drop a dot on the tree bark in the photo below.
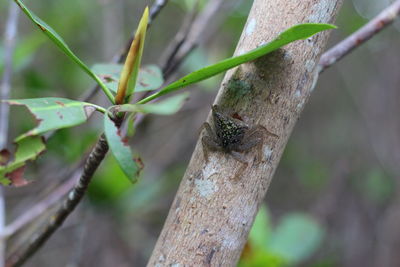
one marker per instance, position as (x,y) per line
(210,218)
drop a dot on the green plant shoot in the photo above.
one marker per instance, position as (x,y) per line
(130,70)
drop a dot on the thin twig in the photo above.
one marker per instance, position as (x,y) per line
(179,39)
(192,36)
(195,36)
(78,191)
(42,206)
(36,210)
(155,9)
(9,46)
(74,197)
(382,20)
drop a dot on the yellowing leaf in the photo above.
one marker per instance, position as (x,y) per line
(28,149)
(130,70)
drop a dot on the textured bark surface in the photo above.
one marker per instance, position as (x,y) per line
(212,213)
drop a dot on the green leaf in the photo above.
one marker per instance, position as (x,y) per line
(11,173)
(120,149)
(297,32)
(296,238)
(54,113)
(261,230)
(149,77)
(262,258)
(165,107)
(108,71)
(105,190)
(60,43)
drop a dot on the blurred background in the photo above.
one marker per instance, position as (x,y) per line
(334,200)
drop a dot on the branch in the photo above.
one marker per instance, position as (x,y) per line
(195,34)
(77,192)
(179,39)
(213,210)
(155,9)
(9,46)
(44,205)
(384,19)
(74,197)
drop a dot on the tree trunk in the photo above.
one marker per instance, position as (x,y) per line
(213,211)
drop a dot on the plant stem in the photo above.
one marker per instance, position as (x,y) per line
(74,197)
(381,21)
(99,108)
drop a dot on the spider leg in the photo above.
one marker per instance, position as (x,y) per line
(255,137)
(209,130)
(259,129)
(265,133)
(254,141)
(239,157)
(209,144)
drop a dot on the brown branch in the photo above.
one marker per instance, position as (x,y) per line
(156,8)
(179,39)
(77,192)
(36,210)
(196,33)
(384,19)
(44,205)
(74,197)
(213,210)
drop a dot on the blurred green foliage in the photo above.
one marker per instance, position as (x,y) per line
(107,186)
(295,238)
(377,186)
(68,145)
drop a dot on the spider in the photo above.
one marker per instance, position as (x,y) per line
(232,135)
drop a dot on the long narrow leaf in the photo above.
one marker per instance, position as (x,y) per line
(60,43)
(168,106)
(297,32)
